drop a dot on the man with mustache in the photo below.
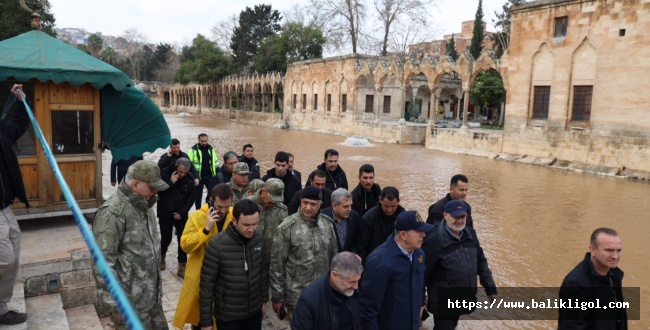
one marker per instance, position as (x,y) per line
(332,302)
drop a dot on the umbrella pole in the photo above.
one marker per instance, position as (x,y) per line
(123,303)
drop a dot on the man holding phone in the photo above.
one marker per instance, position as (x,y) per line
(203,224)
(173,206)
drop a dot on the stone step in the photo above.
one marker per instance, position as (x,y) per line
(46,313)
(83,318)
(17,303)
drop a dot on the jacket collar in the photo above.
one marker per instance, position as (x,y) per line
(615,273)
(445,238)
(135,199)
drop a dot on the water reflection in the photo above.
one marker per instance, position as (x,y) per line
(534,222)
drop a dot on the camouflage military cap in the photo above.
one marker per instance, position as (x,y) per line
(256,185)
(148,172)
(275,190)
(241,168)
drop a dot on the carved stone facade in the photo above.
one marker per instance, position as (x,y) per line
(576,72)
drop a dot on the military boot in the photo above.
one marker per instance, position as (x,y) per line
(163,264)
(181,269)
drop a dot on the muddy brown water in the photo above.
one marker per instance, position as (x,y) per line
(534,222)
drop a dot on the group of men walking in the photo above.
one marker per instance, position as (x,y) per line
(354,260)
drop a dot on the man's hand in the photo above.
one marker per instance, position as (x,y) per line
(264,310)
(213,217)
(492,298)
(177,216)
(277,306)
(422,310)
(174,177)
(19,94)
(196,182)
(113,183)
(169,151)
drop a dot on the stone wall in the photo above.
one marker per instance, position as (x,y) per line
(602,48)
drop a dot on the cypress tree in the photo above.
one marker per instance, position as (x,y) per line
(450,49)
(477,34)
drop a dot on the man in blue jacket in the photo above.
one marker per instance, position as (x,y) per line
(331,302)
(392,288)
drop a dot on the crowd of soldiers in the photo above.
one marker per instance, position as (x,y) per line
(324,256)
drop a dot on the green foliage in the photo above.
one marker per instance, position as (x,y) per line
(488,90)
(95,44)
(503,20)
(477,34)
(255,25)
(203,62)
(83,48)
(15,20)
(450,49)
(159,61)
(109,56)
(295,42)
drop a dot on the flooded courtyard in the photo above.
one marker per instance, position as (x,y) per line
(534,222)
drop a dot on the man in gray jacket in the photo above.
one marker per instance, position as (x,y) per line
(234,285)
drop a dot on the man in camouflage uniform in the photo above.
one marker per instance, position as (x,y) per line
(126,231)
(269,201)
(239,182)
(302,250)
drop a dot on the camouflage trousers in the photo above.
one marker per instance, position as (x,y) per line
(152,320)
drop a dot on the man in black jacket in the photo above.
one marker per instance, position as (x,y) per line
(316,179)
(253,164)
(173,207)
(331,302)
(336,177)
(169,158)
(596,278)
(120,167)
(281,171)
(366,195)
(379,222)
(234,284)
(345,220)
(457,191)
(454,258)
(11,181)
(224,173)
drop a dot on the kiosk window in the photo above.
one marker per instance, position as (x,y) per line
(72,132)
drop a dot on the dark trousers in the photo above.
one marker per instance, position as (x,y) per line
(445,322)
(167,226)
(204,182)
(252,323)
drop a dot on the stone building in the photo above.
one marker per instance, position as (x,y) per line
(575,74)
(462,40)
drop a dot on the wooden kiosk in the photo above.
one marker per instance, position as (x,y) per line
(68,91)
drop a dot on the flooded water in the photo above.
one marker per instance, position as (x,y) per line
(534,222)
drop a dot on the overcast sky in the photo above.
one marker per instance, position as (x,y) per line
(178,22)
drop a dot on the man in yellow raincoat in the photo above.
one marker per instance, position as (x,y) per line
(211,219)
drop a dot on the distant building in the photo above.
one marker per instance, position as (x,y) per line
(462,40)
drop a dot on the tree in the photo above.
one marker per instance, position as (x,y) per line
(406,39)
(503,20)
(163,64)
(15,20)
(450,49)
(488,90)
(109,56)
(342,21)
(202,62)
(476,46)
(132,42)
(254,26)
(223,31)
(295,42)
(95,44)
(390,12)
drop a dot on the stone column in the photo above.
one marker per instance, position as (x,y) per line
(465,107)
(273,96)
(433,109)
(199,99)
(376,101)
